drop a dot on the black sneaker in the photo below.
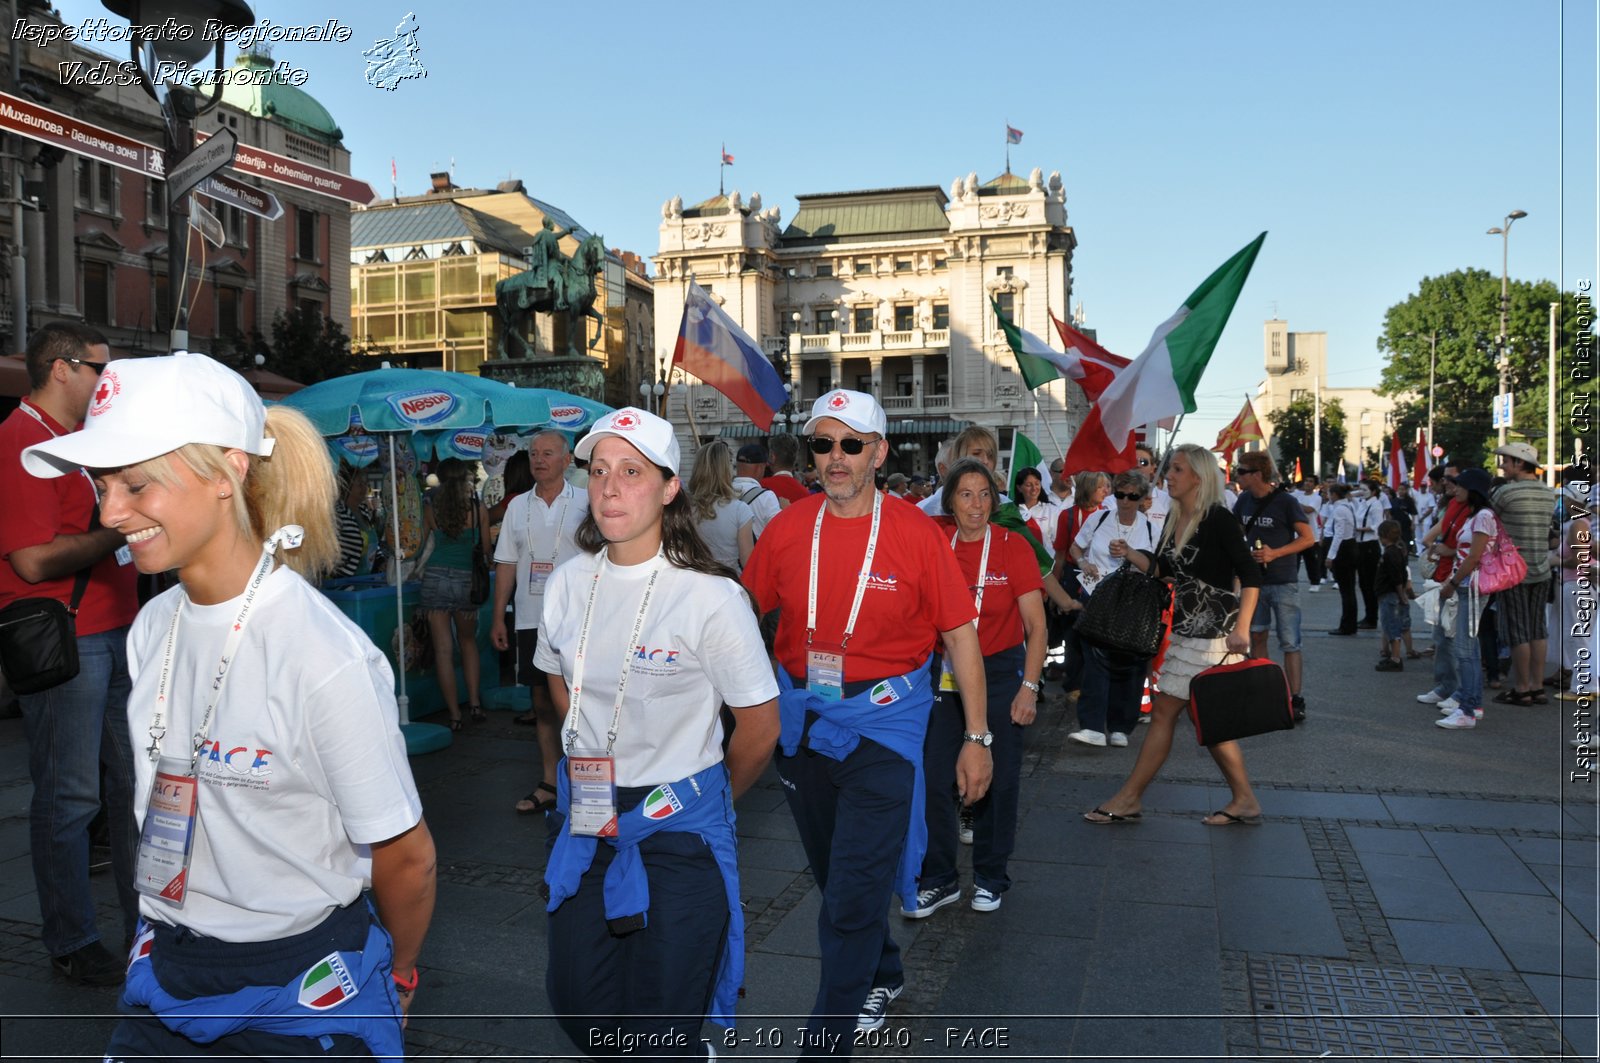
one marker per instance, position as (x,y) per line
(92,965)
(1389,664)
(1299,704)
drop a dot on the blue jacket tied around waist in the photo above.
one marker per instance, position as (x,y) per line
(707,810)
(369,1010)
(894,714)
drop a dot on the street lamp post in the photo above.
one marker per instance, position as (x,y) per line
(651,392)
(1503,362)
(173,36)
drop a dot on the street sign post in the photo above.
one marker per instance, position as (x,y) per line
(297,174)
(1502,411)
(248,198)
(207,224)
(81,138)
(202,162)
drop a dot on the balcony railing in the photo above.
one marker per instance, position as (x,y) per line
(829,342)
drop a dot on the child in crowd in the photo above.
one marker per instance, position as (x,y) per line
(1394,598)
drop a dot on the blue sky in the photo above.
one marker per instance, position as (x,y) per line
(1376,142)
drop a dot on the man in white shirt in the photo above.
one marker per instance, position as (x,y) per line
(537,534)
(749,465)
(1311,501)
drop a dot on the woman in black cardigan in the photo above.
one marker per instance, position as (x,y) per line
(1202,553)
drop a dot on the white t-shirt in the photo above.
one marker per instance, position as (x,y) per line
(534,532)
(1312,501)
(1160,506)
(304,765)
(1483,522)
(1094,539)
(721,532)
(765,504)
(700,647)
(1046,516)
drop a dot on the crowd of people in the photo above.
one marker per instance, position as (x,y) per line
(882,641)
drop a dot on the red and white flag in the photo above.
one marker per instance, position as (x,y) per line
(1397,462)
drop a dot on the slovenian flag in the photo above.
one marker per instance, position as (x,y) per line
(1013,135)
(714,348)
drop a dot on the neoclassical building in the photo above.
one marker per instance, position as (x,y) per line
(886,291)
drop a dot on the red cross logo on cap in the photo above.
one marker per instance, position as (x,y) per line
(838,402)
(109,389)
(625,421)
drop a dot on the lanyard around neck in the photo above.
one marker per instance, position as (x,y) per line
(983,571)
(580,657)
(290,536)
(561,521)
(861,578)
(28,409)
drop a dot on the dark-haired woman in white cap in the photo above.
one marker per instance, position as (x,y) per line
(645,636)
(286,873)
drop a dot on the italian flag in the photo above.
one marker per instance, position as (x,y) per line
(1025,455)
(1161,382)
(1091,365)
(1039,364)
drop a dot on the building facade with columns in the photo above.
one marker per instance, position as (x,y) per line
(1297,367)
(886,291)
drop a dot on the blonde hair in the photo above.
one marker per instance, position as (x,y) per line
(296,485)
(1183,520)
(711,483)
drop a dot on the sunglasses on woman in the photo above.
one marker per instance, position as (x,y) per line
(1127,496)
(849,444)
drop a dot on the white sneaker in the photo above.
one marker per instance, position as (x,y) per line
(1457,721)
(1449,705)
(984,900)
(1432,697)
(1315,587)
(1088,737)
(1117,738)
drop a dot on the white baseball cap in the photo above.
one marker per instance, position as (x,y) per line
(856,409)
(146,407)
(652,436)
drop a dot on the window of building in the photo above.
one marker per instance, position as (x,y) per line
(97,186)
(155,208)
(863,265)
(902,384)
(1366,416)
(861,320)
(238,226)
(108,186)
(905,318)
(1006,301)
(863,383)
(941,315)
(1002,271)
(823,384)
(824,269)
(941,262)
(85,182)
(96,293)
(310,306)
(306,234)
(941,382)
(827,321)
(228,300)
(1296,394)
(902,265)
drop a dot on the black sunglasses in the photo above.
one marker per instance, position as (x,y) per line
(1127,497)
(849,444)
(1242,471)
(98,367)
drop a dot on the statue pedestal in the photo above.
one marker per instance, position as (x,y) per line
(581,376)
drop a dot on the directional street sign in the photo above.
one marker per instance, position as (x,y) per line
(207,223)
(293,172)
(202,162)
(64,131)
(248,198)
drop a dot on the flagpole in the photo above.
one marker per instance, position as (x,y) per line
(1053,440)
(1316,425)
(1008,146)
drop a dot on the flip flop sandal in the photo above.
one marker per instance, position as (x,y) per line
(1230,820)
(1111,817)
(537,804)
(1508,697)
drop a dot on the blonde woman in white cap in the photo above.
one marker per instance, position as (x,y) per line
(645,636)
(287,877)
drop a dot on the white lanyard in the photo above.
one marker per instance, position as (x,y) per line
(983,571)
(861,580)
(31,412)
(561,522)
(290,536)
(581,655)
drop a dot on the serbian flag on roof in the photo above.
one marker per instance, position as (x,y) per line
(714,348)
(1161,382)
(1013,135)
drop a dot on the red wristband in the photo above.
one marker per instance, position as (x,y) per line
(408,986)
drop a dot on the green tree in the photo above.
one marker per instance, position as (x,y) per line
(1462,309)
(306,346)
(1293,434)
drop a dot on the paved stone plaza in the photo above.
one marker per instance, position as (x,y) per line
(1413,893)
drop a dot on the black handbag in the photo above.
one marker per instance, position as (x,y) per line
(39,640)
(1232,701)
(1124,613)
(479,593)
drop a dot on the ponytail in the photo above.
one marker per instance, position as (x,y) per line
(295,485)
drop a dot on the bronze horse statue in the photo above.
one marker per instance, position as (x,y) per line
(566,286)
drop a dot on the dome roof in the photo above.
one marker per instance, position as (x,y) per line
(284,103)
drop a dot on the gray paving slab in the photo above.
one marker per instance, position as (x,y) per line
(1259,913)
(1447,944)
(1535,934)
(1269,849)
(772,854)
(1159,873)
(1051,834)
(1482,862)
(1055,900)
(1415,887)
(1399,841)
(1168,951)
(1315,804)
(796,932)
(1475,812)
(1573,997)
(1575,888)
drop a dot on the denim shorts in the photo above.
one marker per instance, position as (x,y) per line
(1394,616)
(447,590)
(1279,603)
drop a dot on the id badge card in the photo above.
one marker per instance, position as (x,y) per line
(161,868)
(825,673)
(539,575)
(947,678)
(592,785)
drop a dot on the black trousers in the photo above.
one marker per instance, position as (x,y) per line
(1315,561)
(1368,559)
(1344,572)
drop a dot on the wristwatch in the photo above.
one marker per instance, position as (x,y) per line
(985,740)
(1033,685)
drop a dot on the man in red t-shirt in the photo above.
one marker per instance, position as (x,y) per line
(783,454)
(1440,542)
(853,725)
(49,534)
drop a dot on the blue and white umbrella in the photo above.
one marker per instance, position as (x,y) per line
(415,400)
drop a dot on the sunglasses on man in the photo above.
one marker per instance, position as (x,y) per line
(98,367)
(821,445)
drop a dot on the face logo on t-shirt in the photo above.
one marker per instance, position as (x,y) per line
(995,579)
(882,581)
(657,661)
(224,764)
